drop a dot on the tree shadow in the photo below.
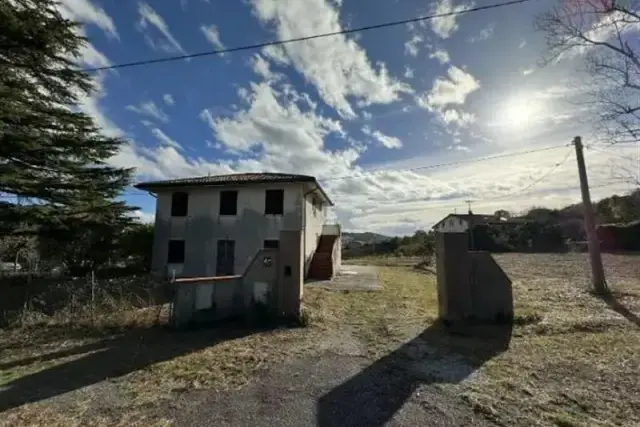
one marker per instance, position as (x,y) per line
(438,355)
(612,301)
(113,357)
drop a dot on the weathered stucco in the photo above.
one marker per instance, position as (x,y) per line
(452,225)
(203,226)
(314,219)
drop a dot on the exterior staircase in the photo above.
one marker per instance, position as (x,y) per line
(322,262)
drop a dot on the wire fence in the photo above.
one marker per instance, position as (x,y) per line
(108,300)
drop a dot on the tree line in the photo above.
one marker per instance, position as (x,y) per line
(538,229)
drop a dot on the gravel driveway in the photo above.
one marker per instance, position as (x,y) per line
(327,391)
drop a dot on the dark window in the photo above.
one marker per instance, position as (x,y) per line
(179,204)
(225,257)
(228,202)
(176,252)
(271,244)
(274,202)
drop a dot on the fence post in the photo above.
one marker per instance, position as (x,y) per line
(93,298)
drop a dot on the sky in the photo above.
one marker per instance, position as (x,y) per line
(365,113)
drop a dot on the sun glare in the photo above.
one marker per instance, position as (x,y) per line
(518,113)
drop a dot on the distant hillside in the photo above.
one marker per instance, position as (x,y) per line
(365,238)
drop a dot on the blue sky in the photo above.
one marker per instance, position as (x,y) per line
(441,91)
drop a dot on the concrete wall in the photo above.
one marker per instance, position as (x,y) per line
(452,225)
(208,299)
(453,268)
(491,291)
(314,219)
(471,285)
(203,226)
(289,289)
(336,256)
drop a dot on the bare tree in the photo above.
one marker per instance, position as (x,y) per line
(607,33)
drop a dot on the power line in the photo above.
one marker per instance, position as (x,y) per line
(439,165)
(620,156)
(481,202)
(537,180)
(305,38)
(367,173)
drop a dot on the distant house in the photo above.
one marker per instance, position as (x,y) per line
(214,225)
(459,223)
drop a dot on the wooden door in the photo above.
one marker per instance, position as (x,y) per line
(225,258)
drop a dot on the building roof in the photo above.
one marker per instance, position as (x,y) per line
(232,180)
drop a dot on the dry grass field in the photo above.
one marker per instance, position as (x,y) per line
(572,358)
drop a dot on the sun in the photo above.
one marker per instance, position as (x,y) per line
(519,112)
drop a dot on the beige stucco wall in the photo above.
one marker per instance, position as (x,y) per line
(203,226)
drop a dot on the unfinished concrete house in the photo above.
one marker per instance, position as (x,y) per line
(215,225)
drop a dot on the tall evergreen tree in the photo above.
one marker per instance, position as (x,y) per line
(53,158)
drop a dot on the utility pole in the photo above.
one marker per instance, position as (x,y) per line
(597,271)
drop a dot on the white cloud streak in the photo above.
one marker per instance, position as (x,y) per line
(165,140)
(212,34)
(148,16)
(85,12)
(149,109)
(385,140)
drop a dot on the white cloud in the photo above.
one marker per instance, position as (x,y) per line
(452,89)
(461,119)
(441,55)
(484,34)
(213,36)
(150,109)
(164,139)
(337,66)
(261,67)
(85,12)
(444,27)
(145,217)
(408,72)
(411,46)
(276,124)
(522,44)
(527,71)
(386,140)
(168,99)
(148,16)
(276,54)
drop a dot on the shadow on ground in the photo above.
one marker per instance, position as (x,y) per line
(613,302)
(112,357)
(438,355)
